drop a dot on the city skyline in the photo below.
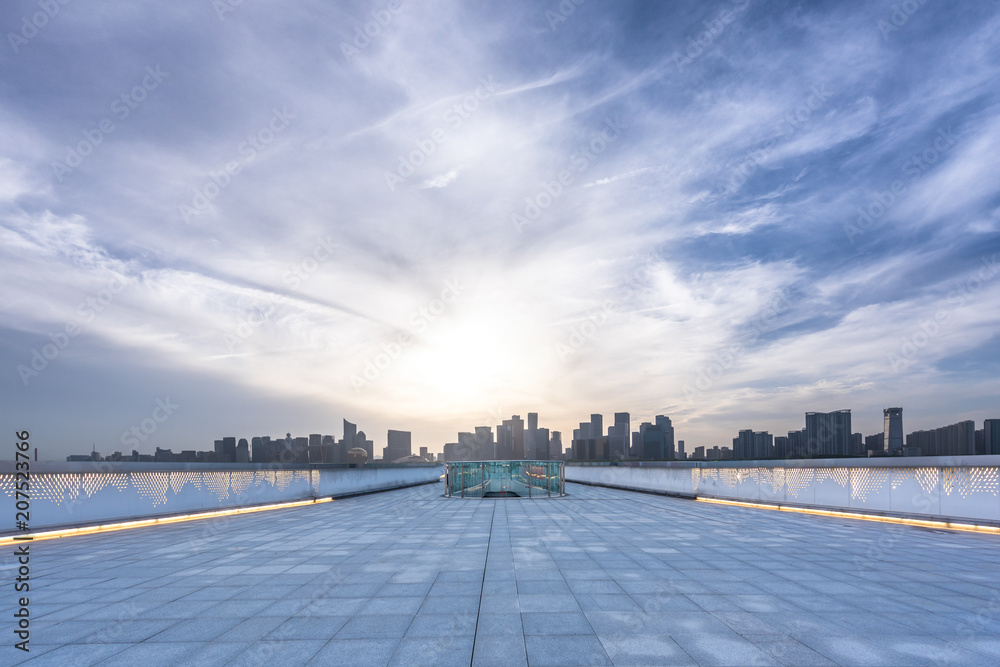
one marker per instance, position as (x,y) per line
(725,212)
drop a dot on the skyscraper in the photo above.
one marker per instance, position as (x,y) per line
(828,433)
(484,443)
(618,436)
(991,435)
(530,443)
(397,446)
(893,430)
(667,427)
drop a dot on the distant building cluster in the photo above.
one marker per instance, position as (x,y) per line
(514,441)
(828,435)
(353,448)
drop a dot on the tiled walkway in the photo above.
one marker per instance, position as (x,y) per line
(597,578)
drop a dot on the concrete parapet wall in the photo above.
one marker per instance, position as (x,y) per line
(63,494)
(963,488)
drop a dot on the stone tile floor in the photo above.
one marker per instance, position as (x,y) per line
(600,577)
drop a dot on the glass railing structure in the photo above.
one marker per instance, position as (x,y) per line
(505,479)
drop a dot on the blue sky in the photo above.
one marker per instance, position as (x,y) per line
(728,212)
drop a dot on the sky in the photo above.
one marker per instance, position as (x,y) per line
(259,217)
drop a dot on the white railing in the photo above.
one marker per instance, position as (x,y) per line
(85,493)
(961,487)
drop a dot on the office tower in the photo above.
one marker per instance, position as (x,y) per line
(893,430)
(668,435)
(484,444)
(229,448)
(636,450)
(797,444)
(652,443)
(618,436)
(242,453)
(743,444)
(542,448)
(981,442)
(530,444)
(398,446)
(954,440)
(991,435)
(467,446)
(556,445)
(515,426)
(504,446)
(424,454)
(875,444)
(681,454)
(857,445)
(350,435)
(828,433)
(781,446)
(257,454)
(596,426)
(699,453)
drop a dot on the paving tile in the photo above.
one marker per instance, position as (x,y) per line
(565,651)
(499,651)
(433,652)
(356,653)
(641,649)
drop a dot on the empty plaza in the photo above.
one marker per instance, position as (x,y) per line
(598,577)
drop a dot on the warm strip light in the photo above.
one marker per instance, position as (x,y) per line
(972,528)
(87,530)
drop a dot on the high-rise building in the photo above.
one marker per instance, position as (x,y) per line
(857,445)
(954,440)
(875,444)
(797,444)
(681,454)
(516,425)
(893,430)
(397,446)
(667,427)
(619,435)
(484,444)
(530,444)
(828,433)
(556,445)
(781,447)
(991,436)
(750,444)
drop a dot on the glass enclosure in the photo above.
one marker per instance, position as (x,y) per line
(505,479)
